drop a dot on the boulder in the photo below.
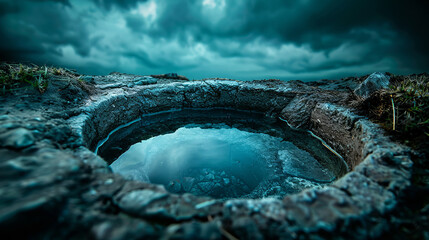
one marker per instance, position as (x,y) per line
(373,83)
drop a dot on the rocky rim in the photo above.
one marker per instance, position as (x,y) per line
(53,186)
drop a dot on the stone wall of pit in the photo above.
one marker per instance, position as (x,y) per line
(352,207)
(335,125)
(118,110)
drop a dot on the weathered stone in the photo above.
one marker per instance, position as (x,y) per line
(144,81)
(334,124)
(297,112)
(395,180)
(18,138)
(136,201)
(373,83)
(89,158)
(252,219)
(367,194)
(194,230)
(320,210)
(124,229)
(178,208)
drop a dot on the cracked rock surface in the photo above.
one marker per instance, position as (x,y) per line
(53,187)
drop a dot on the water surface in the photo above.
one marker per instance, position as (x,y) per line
(222,162)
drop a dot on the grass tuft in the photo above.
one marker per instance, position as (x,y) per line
(16,77)
(412,97)
(403,109)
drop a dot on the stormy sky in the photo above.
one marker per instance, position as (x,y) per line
(241,39)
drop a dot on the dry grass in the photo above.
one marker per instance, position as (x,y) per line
(410,97)
(16,77)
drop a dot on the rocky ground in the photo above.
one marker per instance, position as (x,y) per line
(53,187)
(410,220)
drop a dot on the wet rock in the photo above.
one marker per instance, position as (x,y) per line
(174,187)
(307,167)
(226,181)
(188,183)
(17,139)
(213,183)
(373,83)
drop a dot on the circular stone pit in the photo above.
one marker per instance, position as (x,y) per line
(58,188)
(380,169)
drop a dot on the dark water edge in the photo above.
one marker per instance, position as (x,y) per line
(165,123)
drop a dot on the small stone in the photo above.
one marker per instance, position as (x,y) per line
(188,183)
(108,181)
(206,187)
(136,200)
(210,176)
(18,138)
(205,204)
(226,181)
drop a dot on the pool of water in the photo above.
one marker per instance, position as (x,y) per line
(208,154)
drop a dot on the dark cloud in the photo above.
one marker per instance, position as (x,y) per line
(124,4)
(323,25)
(36,28)
(285,38)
